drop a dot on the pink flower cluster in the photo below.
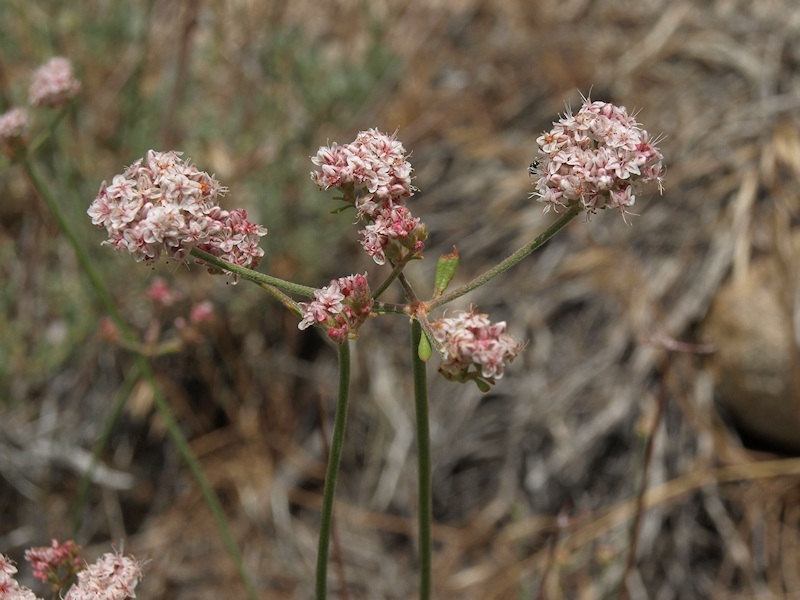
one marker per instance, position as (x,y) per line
(53,83)
(340,308)
(372,174)
(13,125)
(47,561)
(10,589)
(473,347)
(112,577)
(164,205)
(597,158)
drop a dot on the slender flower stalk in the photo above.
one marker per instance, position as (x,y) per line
(251,275)
(424,490)
(509,262)
(396,270)
(334,459)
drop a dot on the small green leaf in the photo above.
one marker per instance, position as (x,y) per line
(424,350)
(445,271)
(483,385)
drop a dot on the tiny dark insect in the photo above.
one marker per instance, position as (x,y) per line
(533,166)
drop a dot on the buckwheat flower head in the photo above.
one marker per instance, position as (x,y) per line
(473,347)
(47,560)
(373,174)
(53,83)
(369,171)
(112,577)
(340,308)
(598,158)
(164,205)
(13,124)
(395,233)
(10,589)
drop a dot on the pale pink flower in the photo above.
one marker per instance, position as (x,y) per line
(597,158)
(164,205)
(10,589)
(340,308)
(53,83)
(373,174)
(47,560)
(13,125)
(202,312)
(112,577)
(369,171)
(395,233)
(473,347)
(161,293)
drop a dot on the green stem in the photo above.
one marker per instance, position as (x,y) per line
(424,463)
(251,275)
(145,369)
(282,298)
(510,261)
(396,270)
(334,458)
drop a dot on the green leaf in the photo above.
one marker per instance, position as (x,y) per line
(483,385)
(445,271)
(424,350)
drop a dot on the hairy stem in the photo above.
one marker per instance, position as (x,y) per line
(251,275)
(509,262)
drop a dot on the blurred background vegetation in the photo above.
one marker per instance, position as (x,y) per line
(535,482)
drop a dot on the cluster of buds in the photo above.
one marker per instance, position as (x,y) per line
(164,205)
(473,348)
(597,158)
(339,308)
(55,563)
(112,577)
(373,175)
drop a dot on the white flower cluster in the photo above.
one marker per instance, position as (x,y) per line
(474,347)
(373,174)
(164,205)
(597,158)
(53,83)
